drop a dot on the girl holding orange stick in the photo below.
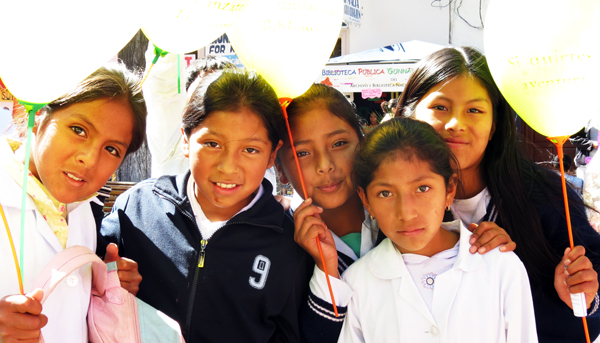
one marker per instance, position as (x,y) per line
(326,132)
(453,90)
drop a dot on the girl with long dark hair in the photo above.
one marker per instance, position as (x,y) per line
(453,90)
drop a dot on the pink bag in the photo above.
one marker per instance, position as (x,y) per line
(114,314)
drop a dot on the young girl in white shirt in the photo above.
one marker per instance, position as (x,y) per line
(422,283)
(79,141)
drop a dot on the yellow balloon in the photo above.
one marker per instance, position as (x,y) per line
(545,58)
(50,46)
(287,42)
(181,26)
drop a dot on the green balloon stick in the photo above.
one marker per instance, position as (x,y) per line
(158,52)
(178,74)
(31,108)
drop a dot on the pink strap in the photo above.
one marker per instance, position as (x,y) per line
(67,261)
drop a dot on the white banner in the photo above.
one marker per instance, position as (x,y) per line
(352,13)
(356,78)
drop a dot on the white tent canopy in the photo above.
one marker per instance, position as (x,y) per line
(410,51)
(385,69)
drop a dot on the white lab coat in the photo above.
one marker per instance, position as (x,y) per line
(483,298)
(165,103)
(67,306)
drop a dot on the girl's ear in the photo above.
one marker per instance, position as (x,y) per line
(364,199)
(273,155)
(451,189)
(185,146)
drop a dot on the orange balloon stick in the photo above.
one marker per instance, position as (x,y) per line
(284,104)
(12,246)
(147,73)
(559,142)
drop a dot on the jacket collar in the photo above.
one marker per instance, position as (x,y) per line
(266,212)
(173,188)
(387,262)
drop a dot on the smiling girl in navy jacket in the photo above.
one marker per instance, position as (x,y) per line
(215,249)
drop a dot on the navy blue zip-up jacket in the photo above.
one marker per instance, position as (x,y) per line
(254,276)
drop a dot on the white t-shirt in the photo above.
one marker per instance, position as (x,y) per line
(208,228)
(471,210)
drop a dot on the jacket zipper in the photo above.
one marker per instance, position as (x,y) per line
(202,253)
(201,260)
(188,317)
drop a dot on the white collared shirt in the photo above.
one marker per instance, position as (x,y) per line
(208,228)
(472,210)
(482,298)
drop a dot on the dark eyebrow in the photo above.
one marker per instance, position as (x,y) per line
(249,139)
(416,180)
(85,120)
(478,100)
(256,139)
(443,97)
(419,179)
(89,124)
(331,134)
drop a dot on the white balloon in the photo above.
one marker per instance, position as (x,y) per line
(545,58)
(287,42)
(180,26)
(53,45)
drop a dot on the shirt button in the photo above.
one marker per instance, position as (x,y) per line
(72,280)
(434,331)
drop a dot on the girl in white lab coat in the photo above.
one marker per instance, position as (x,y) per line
(79,141)
(421,283)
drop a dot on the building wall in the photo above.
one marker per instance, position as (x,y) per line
(466,23)
(386,22)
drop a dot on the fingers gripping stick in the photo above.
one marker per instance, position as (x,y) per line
(578,300)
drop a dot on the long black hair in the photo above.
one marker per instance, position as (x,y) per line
(515,183)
